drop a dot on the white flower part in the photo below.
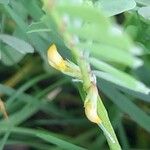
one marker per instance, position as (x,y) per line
(137,63)
(116,30)
(77,80)
(93,78)
(136,50)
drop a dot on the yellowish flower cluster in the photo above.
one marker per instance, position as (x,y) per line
(69,68)
(65,66)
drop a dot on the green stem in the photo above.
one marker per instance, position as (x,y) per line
(102,112)
(86,77)
(85,72)
(84,67)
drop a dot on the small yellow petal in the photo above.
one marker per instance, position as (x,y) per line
(55,59)
(91,112)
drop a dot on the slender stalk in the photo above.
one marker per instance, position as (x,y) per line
(86,74)
(102,112)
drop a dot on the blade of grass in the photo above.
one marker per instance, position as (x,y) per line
(119,77)
(24,87)
(17,44)
(51,87)
(27,98)
(125,104)
(46,136)
(32,106)
(32,144)
(59,142)
(123,137)
(4,140)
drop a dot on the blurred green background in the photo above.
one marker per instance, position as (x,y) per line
(44,106)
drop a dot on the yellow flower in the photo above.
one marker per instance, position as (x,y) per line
(55,59)
(65,66)
(91,112)
(90,105)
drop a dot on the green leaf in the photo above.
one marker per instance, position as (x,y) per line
(103,52)
(19,21)
(4,140)
(33,8)
(135,94)
(9,56)
(61,143)
(27,99)
(126,105)
(112,36)
(20,9)
(123,136)
(113,7)
(37,27)
(4,2)
(24,87)
(30,143)
(47,136)
(144,12)
(88,14)
(18,44)
(25,111)
(143,2)
(119,77)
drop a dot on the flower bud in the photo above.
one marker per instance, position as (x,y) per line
(65,66)
(90,105)
(55,59)
(91,112)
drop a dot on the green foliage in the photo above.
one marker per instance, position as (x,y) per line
(17,44)
(9,55)
(112,8)
(4,1)
(145,12)
(45,111)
